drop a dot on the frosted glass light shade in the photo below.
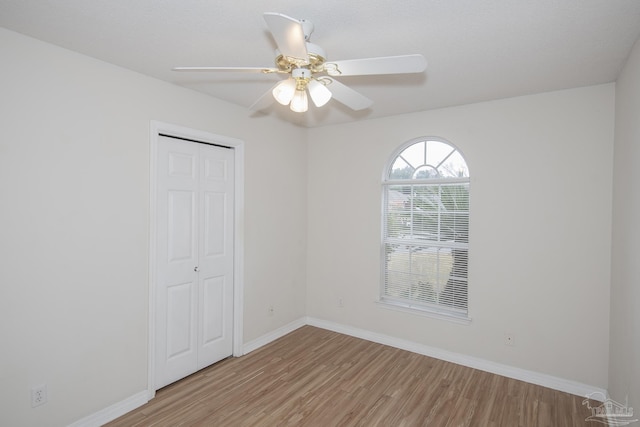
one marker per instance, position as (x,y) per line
(299,103)
(319,93)
(284,91)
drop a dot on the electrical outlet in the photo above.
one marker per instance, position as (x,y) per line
(509,339)
(38,395)
(270,311)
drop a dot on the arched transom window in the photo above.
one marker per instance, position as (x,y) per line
(425,240)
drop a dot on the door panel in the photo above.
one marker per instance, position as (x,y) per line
(213,317)
(194,277)
(181,312)
(216,254)
(181,233)
(182,165)
(215,170)
(215,206)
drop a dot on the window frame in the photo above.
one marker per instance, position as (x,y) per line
(416,307)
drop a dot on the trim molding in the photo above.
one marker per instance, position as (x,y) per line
(112,412)
(560,384)
(274,335)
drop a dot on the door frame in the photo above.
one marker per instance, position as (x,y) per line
(158,128)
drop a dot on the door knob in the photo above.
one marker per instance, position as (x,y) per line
(195,268)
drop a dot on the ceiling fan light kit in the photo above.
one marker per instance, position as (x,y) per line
(284,91)
(292,91)
(308,70)
(299,103)
(320,95)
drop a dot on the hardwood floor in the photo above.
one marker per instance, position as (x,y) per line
(315,377)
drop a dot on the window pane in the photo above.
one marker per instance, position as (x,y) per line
(425,172)
(414,154)
(398,209)
(454,227)
(437,151)
(455,197)
(454,167)
(401,170)
(428,275)
(454,293)
(455,215)
(408,276)
(426,211)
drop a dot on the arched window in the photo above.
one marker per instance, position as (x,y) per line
(425,240)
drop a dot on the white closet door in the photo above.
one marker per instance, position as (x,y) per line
(216,255)
(194,294)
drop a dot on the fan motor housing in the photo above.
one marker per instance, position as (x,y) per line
(316,59)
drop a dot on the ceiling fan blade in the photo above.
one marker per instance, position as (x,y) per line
(348,96)
(402,64)
(229,69)
(288,35)
(265,100)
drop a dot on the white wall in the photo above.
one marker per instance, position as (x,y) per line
(541,176)
(74,179)
(74,187)
(624,370)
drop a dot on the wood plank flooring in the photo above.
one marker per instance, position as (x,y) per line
(315,377)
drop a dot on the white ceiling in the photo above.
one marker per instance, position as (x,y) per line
(477,50)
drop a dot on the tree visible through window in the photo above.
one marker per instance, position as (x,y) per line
(426,228)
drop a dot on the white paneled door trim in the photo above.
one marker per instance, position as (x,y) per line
(160,128)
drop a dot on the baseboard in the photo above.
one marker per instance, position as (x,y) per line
(274,335)
(560,384)
(532,377)
(114,411)
(117,410)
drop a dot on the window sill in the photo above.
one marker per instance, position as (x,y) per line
(426,312)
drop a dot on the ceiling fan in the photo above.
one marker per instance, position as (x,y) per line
(309,71)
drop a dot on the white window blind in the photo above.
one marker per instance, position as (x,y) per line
(426,228)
